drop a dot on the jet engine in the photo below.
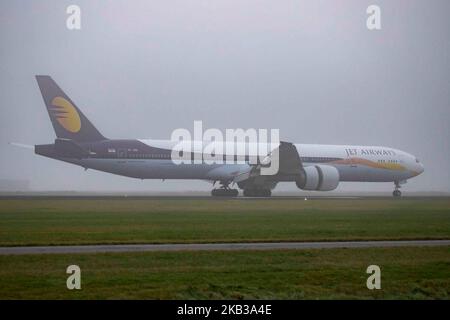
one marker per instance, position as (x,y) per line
(319,177)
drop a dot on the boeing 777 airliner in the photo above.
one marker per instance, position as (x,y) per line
(311,167)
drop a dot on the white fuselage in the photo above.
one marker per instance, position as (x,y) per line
(354,163)
(364,163)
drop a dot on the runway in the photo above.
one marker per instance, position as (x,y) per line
(209,198)
(217,247)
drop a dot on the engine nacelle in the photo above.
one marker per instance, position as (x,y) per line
(319,177)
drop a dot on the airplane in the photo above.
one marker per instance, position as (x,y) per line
(311,167)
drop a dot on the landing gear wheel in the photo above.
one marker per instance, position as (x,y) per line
(397,193)
(222,192)
(257,193)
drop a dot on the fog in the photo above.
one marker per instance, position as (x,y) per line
(140,69)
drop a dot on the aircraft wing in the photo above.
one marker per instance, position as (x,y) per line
(290,165)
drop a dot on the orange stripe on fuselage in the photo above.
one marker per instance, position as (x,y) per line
(369,163)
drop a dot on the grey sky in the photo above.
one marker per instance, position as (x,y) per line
(139,69)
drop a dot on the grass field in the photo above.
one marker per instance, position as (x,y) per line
(52,222)
(406,273)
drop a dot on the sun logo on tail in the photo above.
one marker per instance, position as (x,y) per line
(66,114)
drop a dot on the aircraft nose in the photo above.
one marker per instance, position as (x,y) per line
(421,167)
(418,167)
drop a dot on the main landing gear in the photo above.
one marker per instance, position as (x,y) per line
(224,191)
(257,193)
(397,193)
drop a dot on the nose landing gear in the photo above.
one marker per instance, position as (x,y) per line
(397,193)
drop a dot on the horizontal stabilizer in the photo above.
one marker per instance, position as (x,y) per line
(21,145)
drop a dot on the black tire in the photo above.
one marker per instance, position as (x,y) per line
(224,192)
(257,193)
(397,193)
